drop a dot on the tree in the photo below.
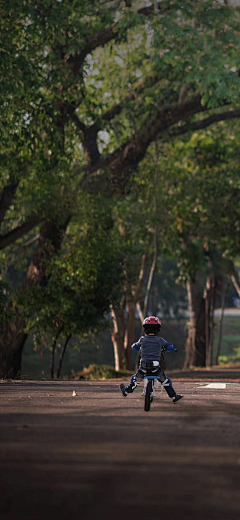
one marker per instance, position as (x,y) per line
(82,280)
(133,237)
(203,225)
(55,53)
(151,80)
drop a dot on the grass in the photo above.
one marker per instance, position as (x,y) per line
(230,346)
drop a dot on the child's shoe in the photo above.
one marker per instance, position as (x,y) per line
(123,390)
(177,398)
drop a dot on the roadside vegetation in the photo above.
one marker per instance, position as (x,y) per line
(119,178)
(83,360)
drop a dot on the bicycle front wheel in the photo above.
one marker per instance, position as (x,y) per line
(148,400)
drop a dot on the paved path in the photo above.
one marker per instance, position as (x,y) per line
(99,456)
(217,373)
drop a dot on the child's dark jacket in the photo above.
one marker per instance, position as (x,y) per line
(151,347)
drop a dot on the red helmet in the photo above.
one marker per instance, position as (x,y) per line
(152,320)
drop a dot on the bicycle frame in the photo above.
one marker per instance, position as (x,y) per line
(150,386)
(155,386)
(150,390)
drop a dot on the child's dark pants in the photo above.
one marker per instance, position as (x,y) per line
(151,368)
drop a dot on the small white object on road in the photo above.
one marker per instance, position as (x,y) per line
(74,393)
(216,386)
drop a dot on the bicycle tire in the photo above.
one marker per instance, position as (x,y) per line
(149,390)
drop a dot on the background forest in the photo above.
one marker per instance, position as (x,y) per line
(119,182)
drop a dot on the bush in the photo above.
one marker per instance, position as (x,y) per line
(101,372)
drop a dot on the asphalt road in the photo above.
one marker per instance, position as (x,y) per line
(99,455)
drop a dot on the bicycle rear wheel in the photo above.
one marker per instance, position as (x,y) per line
(148,399)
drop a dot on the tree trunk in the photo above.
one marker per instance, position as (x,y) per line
(142,314)
(123,333)
(236,283)
(195,344)
(13,335)
(209,297)
(118,336)
(12,342)
(62,355)
(152,270)
(52,359)
(223,302)
(129,335)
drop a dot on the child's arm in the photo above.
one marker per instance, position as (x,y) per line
(136,346)
(168,347)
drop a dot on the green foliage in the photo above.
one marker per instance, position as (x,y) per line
(193,43)
(56,60)
(94,372)
(5,314)
(85,278)
(198,183)
(230,351)
(168,296)
(188,42)
(230,360)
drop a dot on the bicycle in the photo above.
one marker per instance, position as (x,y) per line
(150,391)
(150,387)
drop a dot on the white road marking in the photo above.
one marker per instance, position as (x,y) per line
(216,386)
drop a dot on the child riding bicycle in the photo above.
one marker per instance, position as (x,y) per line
(151,346)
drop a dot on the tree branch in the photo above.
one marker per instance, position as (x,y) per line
(102,37)
(124,159)
(127,156)
(32,240)
(183,92)
(200,125)
(77,122)
(90,132)
(113,6)
(76,62)
(146,11)
(18,232)
(115,110)
(89,140)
